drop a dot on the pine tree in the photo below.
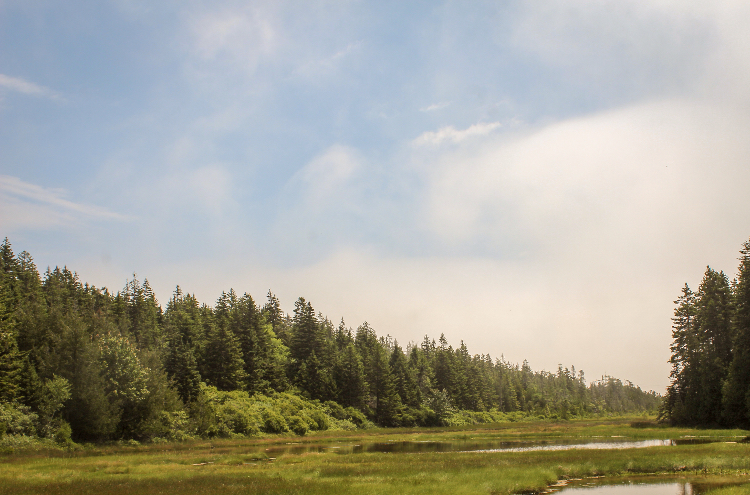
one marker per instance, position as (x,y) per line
(684,350)
(349,374)
(403,379)
(222,365)
(714,311)
(736,399)
(182,368)
(273,314)
(387,402)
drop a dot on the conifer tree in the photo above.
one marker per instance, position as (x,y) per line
(403,379)
(736,399)
(349,374)
(222,365)
(386,400)
(182,368)
(714,311)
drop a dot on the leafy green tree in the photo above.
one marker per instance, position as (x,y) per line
(52,397)
(124,375)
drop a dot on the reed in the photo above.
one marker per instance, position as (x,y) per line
(240,466)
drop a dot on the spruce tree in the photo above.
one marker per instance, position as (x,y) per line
(349,374)
(714,311)
(222,364)
(736,390)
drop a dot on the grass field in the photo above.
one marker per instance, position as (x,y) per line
(243,466)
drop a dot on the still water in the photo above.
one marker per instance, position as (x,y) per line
(469,446)
(663,487)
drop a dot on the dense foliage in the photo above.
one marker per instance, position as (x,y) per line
(82,361)
(711,351)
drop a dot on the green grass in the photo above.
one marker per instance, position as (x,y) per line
(240,466)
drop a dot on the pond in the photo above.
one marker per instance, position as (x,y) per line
(406,447)
(629,487)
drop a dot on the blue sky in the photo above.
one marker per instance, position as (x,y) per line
(538,179)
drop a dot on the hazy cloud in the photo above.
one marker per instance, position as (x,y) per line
(324,176)
(327,65)
(435,106)
(27,205)
(452,135)
(28,88)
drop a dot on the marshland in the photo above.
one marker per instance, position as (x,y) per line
(719,461)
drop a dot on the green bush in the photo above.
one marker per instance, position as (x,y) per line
(335,410)
(63,434)
(230,414)
(319,419)
(356,416)
(273,422)
(18,419)
(238,417)
(298,425)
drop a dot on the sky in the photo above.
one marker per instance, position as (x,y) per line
(537,179)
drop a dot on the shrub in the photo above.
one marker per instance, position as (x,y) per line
(319,419)
(238,417)
(335,409)
(274,422)
(356,416)
(18,419)
(63,434)
(298,425)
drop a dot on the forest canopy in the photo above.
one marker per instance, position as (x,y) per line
(83,363)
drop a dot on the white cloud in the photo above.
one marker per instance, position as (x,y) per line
(435,106)
(325,66)
(211,186)
(622,174)
(27,205)
(28,88)
(631,47)
(600,221)
(243,35)
(452,135)
(323,179)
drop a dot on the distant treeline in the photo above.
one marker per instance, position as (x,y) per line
(711,351)
(82,361)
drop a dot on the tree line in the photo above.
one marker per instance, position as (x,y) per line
(710,378)
(83,362)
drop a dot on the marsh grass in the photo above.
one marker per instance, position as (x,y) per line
(227,467)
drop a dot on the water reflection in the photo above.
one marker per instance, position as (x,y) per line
(469,446)
(663,487)
(588,446)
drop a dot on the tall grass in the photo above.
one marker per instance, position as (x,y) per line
(228,467)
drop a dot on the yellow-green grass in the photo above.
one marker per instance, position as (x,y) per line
(229,467)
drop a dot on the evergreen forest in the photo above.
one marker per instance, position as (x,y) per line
(84,364)
(710,378)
